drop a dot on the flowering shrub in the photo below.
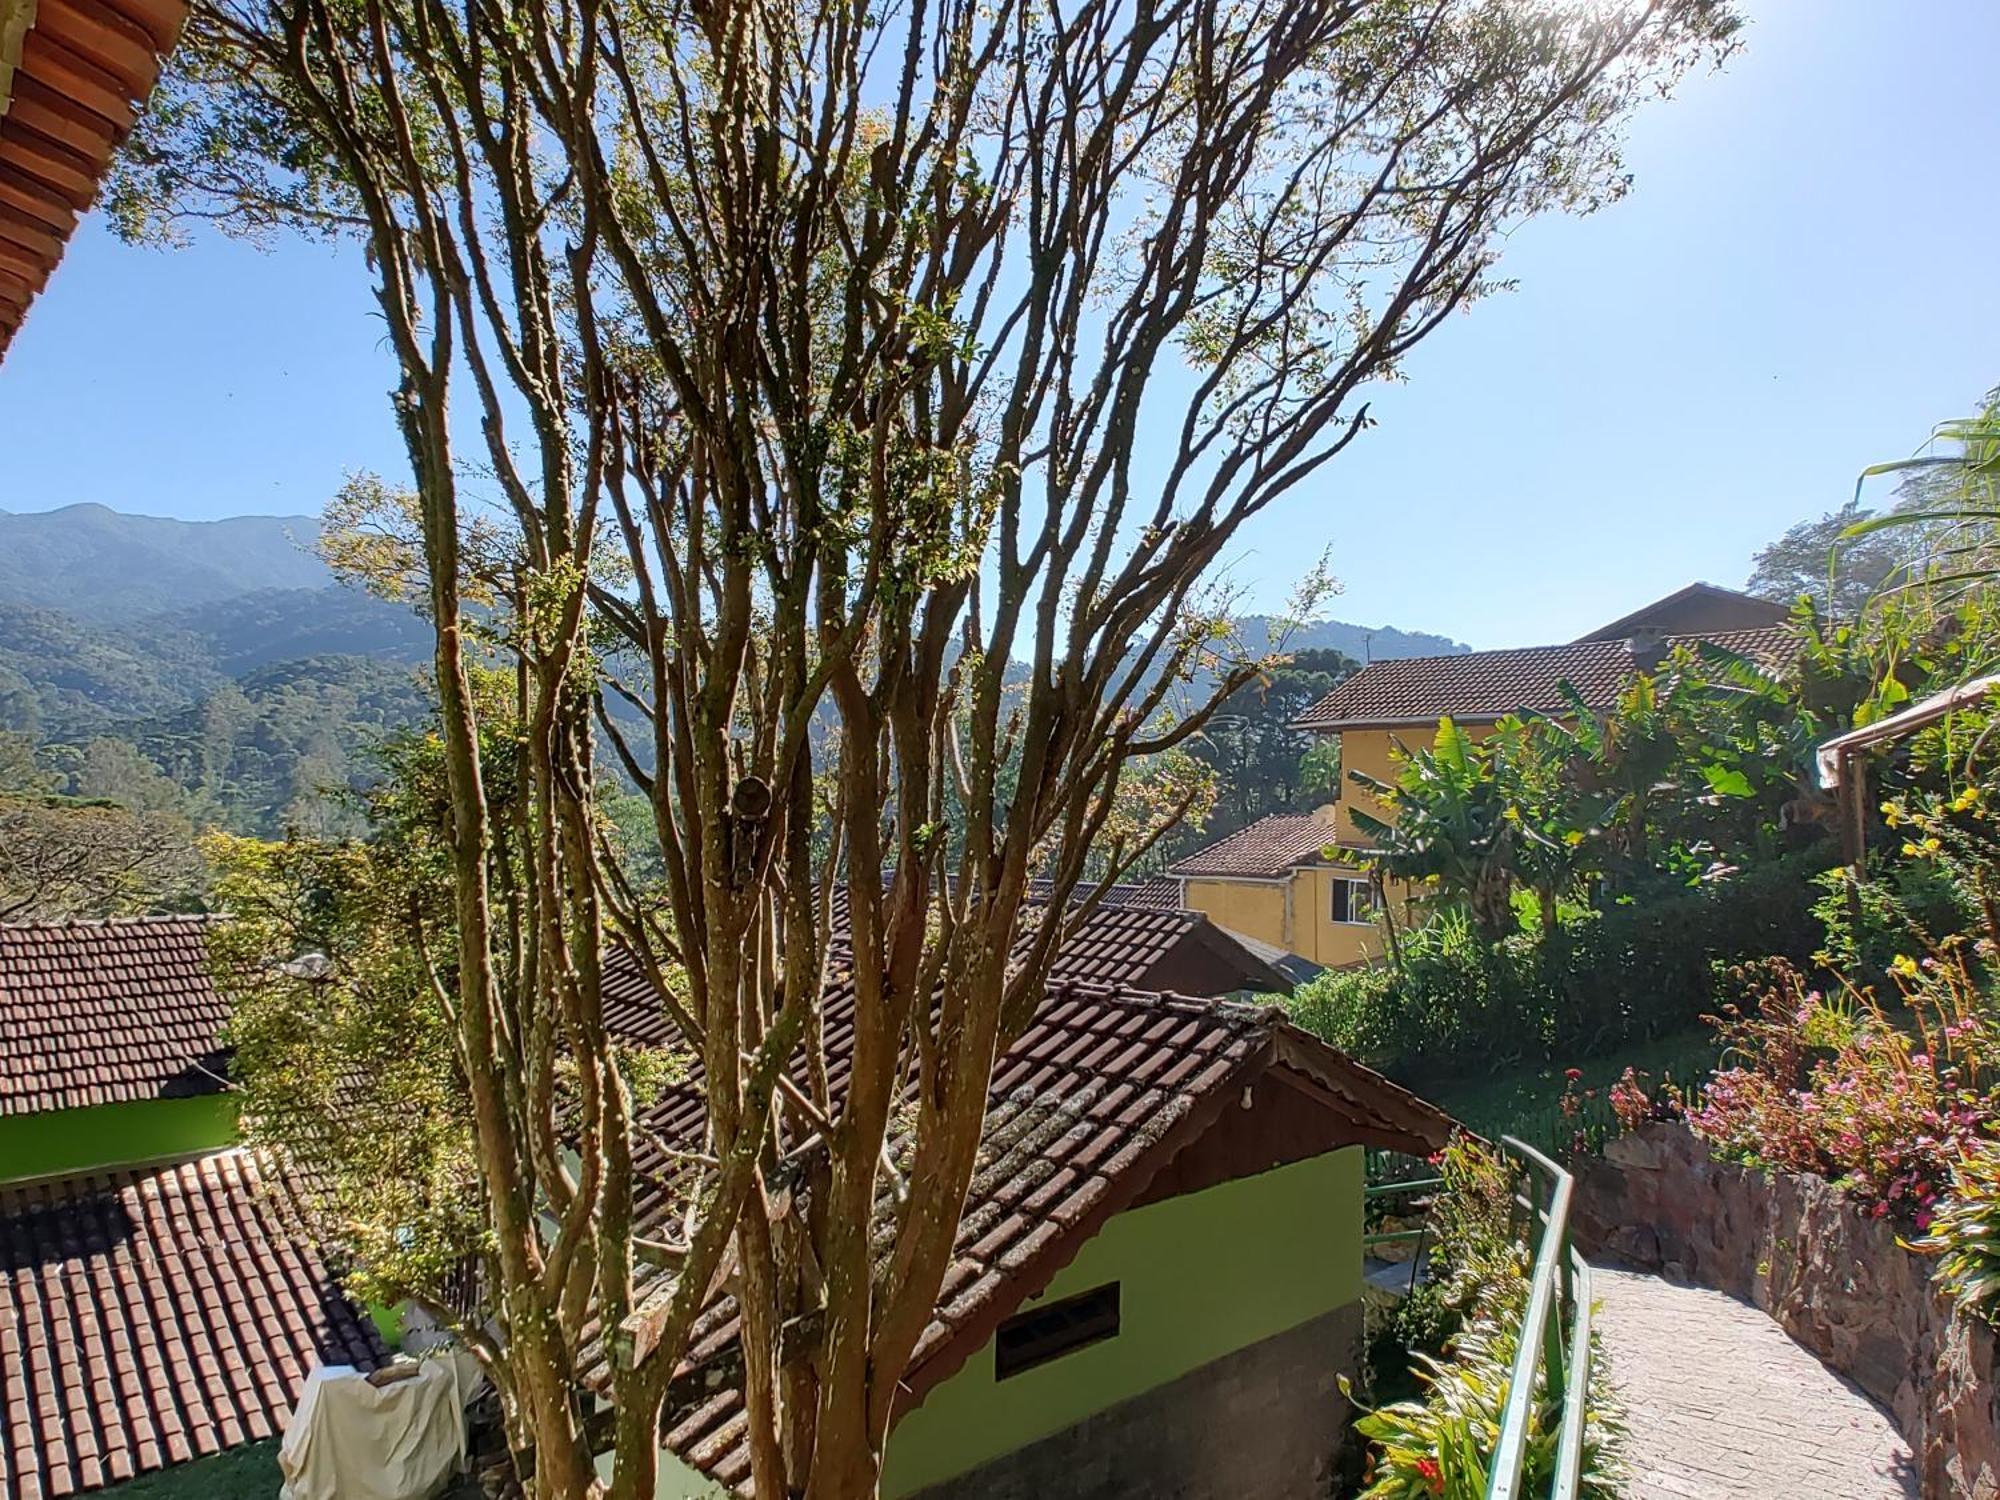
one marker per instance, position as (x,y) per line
(1965,1233)
(1633,1103)
(1835,1087)
(1441,1444)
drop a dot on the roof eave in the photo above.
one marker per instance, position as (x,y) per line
(1415,721)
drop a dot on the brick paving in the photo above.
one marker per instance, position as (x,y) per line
(1721,1404)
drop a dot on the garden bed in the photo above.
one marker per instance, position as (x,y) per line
(1832,1276)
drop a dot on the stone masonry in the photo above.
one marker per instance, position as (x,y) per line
(1264,1423)
(1832,1278)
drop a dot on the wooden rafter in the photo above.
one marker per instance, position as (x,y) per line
(73,75)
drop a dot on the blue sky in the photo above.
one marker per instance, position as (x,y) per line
(1801,283)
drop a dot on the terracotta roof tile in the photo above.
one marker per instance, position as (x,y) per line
(1267,849)
(1142,946)
(84,67)
(107,1013)
(153,1316)
(1490,684)
(1155,890)
(1100,1091)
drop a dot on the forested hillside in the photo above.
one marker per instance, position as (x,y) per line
(99,564)
(211,671)
(215,671)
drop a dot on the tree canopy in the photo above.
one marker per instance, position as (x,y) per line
(858,399)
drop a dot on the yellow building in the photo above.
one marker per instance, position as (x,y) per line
(1300,880)
(1282,881)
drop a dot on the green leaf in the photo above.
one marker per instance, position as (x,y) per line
(1727,781)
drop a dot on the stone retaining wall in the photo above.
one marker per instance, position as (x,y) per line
(1832,1278)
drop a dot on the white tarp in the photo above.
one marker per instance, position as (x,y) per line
(353,1439)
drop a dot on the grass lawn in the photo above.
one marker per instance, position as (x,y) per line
(1527,1101)
(246,1473)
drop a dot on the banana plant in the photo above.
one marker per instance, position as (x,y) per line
(1958,514)
(1452,830)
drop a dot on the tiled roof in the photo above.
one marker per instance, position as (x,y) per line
(1490,684)
(1265,850)
(84,68)
(1154,948)
(1141,946)
(107,1013)
(153,1316)
(1698,609)
(1101,1092)
(1155,890)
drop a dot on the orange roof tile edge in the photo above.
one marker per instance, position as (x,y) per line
(79,71)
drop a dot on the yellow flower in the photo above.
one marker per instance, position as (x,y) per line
(1904,965)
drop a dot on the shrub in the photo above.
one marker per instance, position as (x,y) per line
(1833,1086)
(1965,1233)
(1870,922)
(1441,1443)
(1645,968)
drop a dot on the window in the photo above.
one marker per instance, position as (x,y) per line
(1034,1338)
(1353,901)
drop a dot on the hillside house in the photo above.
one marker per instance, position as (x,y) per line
(1300,880)
(160,1300)
(1158,1278)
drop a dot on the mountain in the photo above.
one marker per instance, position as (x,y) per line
(1360,643)
(222,653)
(273,625)
(59,675)
(102,565)
(224,656)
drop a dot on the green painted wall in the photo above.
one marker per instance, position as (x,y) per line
(1200,1277)
(74,1140)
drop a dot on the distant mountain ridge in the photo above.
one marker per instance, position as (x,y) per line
(1360,643)
(99,564)
(223,652)
(227,655)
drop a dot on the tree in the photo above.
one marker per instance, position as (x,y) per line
(1260,761)
(1950,507)
(1454,830)
(880,385)
(1848,557)
(1817,560)
(63,857)
(81,851)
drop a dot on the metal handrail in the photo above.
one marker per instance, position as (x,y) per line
(1558,1290)
(1421,1234)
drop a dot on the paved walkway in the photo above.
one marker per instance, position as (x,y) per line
(1722,1405)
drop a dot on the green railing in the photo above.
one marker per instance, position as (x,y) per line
(1555,1330)
(1390,1191)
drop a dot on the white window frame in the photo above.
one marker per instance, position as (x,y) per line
(1368,890)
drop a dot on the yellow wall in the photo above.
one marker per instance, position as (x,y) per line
(1296,914)
(1320,938)
(1371,752)
(1368,751)
(1255,908)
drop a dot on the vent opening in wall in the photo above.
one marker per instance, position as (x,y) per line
(1034,1338)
